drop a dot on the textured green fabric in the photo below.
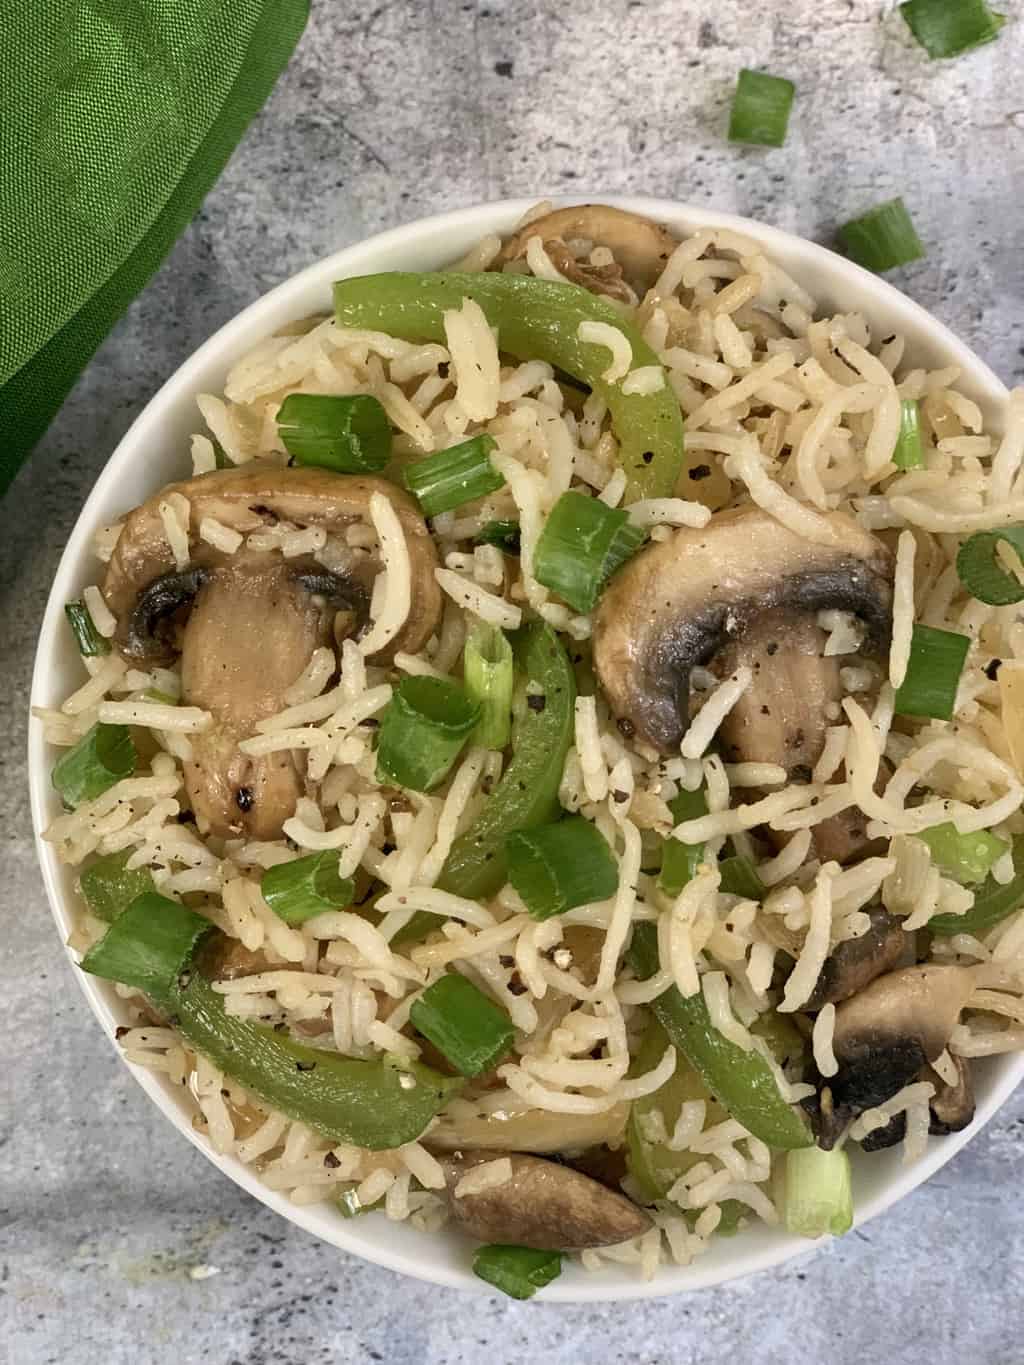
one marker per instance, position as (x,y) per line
(116,116)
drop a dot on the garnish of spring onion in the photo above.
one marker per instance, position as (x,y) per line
(90,642)
(933,673)
(488,673)
(108,886)
(422,730)
(517,1271)
(679,861)
(966,858)
(977,564)
(463,1024)
(504,534)
(298,890)
(819,1192)
(449,478)
(582,544)
(909,452)
(103,756)
(350,433)
(556,867)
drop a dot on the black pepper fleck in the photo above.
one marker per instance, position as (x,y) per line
(536,701)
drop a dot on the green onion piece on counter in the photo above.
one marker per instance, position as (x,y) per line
(980,572)
(582,544)
(108,887)
(451,477)
(933,673)
(537,320)
(165,949)
(993,903)
(760,109)
(298,890)
(527,794)
(505,534)
(90,642)
(101,757)
(967,858)
(679,861)
(557,867)
(739,878)
(882,238)
(909,453)
(741,1081)
(422,730)
(463,1024)
(819,1193)
(947,28)
(517,1271)
(488,672)
(350,433)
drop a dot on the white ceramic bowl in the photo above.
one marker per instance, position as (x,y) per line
(155,450)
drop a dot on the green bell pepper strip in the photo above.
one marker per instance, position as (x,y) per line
(527,794)
(741,1081)
(155,946)
(992,903)
(536,320)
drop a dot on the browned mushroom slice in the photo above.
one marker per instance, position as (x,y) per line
(543,1205)
(639,246)
(744,590)
(853,964)
(951,1109)
(246,624)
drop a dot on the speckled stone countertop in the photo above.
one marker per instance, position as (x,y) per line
(110,1224)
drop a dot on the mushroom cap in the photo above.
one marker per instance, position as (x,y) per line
(639,245)
(856,962)
(681,601)
(245,499)
(544,1205)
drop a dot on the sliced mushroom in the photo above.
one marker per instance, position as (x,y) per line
(246,624)
(544,1205)
(743,591)
(856,962)
(639,246)
(951,1109)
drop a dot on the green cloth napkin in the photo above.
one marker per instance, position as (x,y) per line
(116,117)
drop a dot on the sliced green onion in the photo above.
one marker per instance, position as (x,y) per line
(993,902)
(946,28)
(90,642)
(463,1023)
(488,672)
(517,1271)
(449,478)
(819,1192)
(760,109)
(148,945)
(347,1202)
(350,433)
(556,867)
(505,534)
(882,238)
(298,890)
(909,453)
(679,861)
(582,544)
(101,757)
(980,571)
(739,878)
(967,858)
(220,458)
(108,887)
(933,673)
(422,729)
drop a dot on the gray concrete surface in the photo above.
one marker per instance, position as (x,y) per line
(390,111)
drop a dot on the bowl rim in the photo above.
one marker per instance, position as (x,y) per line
(180,388)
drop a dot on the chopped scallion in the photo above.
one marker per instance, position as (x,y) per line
(967,858)
(993,902)
(346,1201)
(517,1271)
(909,452)
(449,478)
(739,878)
(933,673)
(422,730)
(556,867)
(504,534)
(463,1023)
(298,890)
(882,238)
(947,28)
(101,757)
(582,544)
(350,433)
(760,109)
(679,861)
(977,563)
(90,642)
(108,887)
(819,1192)
(489,674)
(148,945)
